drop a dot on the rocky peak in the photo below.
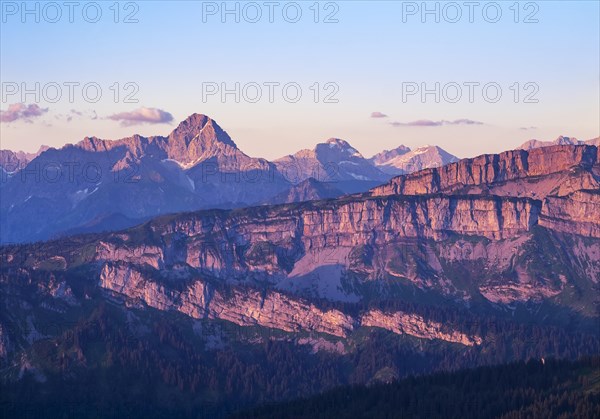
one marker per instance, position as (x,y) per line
(337,146)
(337,142)
(562,140)
(92,144)
(425,157)
(197,137)
(386,155)
(199,125)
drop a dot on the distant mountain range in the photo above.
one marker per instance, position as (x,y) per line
(559,141)
(96,184)
(99,185)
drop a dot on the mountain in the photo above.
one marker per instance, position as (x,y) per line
(335,249)
(308,190)
(537,173)
(408,233)
(13,161)
(559,141)
(332,161)
(485,260)
(387,155)
(196,166)
(82,187)
(402,160)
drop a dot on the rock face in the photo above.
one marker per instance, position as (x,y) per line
(272,310)
(489,171)
(577,213)
(410,324)
(200,300)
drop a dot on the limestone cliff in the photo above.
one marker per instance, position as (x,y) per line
(494,169)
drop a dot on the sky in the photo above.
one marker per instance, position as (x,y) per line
(471,79)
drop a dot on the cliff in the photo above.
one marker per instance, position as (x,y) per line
(577,213)
(493,169)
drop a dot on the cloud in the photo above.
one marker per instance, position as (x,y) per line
(463,122)
(378,115)
(21,111)
(143,116)
(527,128)
(75,114)
(419,123)
(430,123)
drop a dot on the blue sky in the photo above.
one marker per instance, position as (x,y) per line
(368,55)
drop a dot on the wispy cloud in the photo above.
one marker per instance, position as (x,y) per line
(378,115)
(430,123)
(75,114)
(527,128)
(21,111)
(143,116)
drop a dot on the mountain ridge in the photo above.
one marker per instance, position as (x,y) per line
(196,166)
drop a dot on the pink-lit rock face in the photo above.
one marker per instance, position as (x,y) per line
(577,213)
(273,310)
(414,325)
(493,169)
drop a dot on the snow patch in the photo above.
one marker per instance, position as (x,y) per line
(358,177)
(181,165)
(191,182)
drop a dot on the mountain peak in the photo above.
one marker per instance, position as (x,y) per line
(562,140)
(338,142)
(197,123)
(198,135)
(337,145)
(386,155)
(195,120)
(423,157)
